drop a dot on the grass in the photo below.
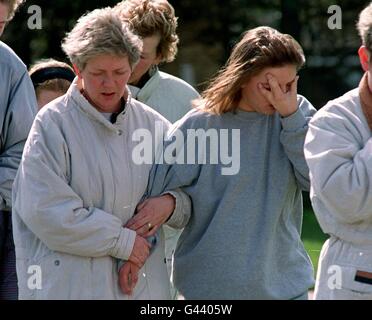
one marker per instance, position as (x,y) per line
(312,236)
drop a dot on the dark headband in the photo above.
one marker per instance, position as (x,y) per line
(50,73)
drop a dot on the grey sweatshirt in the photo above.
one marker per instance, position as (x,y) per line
(242,240)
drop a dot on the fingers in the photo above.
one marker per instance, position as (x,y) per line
(144,230)
(151,232)
(276,90)
(139,261)
(153,211)
(294,84)
(128,277)
(141,218)
(141,205)
(137,222)
(134,276)
(134,222)
(265,92)
(124,275)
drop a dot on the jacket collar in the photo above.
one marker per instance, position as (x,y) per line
(144,93)
(92,112)
(366,99)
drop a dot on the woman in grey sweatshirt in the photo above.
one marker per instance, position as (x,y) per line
(239,156)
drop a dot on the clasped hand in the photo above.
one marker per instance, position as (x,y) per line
(149,217)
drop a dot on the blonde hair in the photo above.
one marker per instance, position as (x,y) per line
(364,26)
(55,84)
(12,6)
(152,17)
(259,48)
(101,32)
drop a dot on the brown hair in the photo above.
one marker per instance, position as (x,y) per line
(259,48)
(59,85)
(151,17)
(12,6)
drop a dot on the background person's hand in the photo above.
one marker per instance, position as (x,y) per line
(128,277)
(151,214)
(140,251)
(284,100)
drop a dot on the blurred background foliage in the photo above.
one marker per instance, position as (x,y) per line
(208,29)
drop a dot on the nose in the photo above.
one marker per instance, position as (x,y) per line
(108,80)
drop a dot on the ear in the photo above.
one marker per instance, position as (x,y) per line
(364,58)
(77,71)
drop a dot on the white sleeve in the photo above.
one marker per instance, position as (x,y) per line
(340,164)
(50,208)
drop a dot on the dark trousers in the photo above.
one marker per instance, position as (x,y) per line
(8,275)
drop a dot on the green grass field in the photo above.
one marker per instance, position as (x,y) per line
(312,236)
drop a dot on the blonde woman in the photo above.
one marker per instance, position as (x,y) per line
(155,22)
(243,240)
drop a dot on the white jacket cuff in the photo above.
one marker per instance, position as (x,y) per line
(124,245)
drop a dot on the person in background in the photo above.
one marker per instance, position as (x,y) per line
(78,183)
(155,22)
(17,110)
(242,240)
(338,150)
(51,79)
